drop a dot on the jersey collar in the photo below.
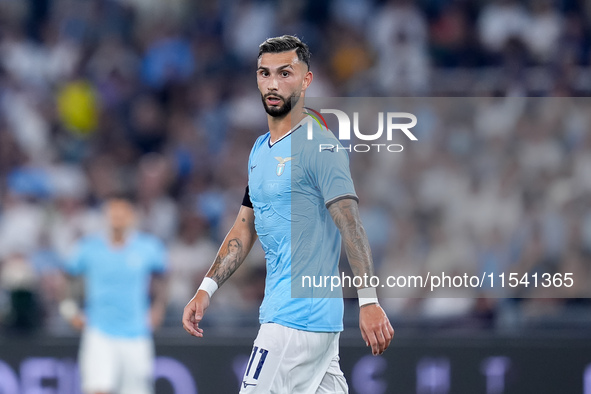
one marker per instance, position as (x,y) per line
(297,126)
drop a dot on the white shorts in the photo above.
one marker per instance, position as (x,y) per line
(289,361)
(116,365)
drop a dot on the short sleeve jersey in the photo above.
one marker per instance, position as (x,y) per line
(117,282)
(291,184)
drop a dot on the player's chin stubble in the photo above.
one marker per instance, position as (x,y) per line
(279,112)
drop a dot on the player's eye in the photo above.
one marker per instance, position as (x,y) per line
(285,74)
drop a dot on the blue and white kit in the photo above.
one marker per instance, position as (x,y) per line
(117,336)
(291,184)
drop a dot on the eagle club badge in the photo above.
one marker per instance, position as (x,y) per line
(281,166)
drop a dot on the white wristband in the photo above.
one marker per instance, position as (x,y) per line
(208,285)
(69,309)
(367,295)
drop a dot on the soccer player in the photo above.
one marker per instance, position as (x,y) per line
(119,268)
(296,349)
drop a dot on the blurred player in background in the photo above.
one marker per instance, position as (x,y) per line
(296,350)
(124,280)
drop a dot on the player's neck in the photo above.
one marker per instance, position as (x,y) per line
(118,237)
(280,127)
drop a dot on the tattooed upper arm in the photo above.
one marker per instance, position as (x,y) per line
(345,214)
(246,217)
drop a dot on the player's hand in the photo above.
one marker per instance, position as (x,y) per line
(193,313)
(78,322)
(376,329)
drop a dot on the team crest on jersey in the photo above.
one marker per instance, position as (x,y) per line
(281,166)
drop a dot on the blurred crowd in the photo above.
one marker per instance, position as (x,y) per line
(159,98)
(494,185)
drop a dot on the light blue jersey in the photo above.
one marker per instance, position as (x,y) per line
(291,183)
(117,282)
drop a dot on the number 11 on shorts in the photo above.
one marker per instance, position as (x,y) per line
(253,370)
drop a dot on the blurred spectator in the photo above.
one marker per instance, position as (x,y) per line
(449,36)
(350,56)
(114,67)
(18,278)
(352,13)
(544,31)
(191,255)
(147,124)
(399,38)
(21,225)
(156,210)
(168,59)
(27,123)
(500,21)
(150,11)
(248,23)
(78,107)
(71,218)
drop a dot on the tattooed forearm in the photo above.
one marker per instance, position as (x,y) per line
(235,247)
(345,214)
(227,261)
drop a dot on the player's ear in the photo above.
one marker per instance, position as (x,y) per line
(307,80)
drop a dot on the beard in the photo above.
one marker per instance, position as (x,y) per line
(282,110)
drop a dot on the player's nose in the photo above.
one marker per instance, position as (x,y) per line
(273,85)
